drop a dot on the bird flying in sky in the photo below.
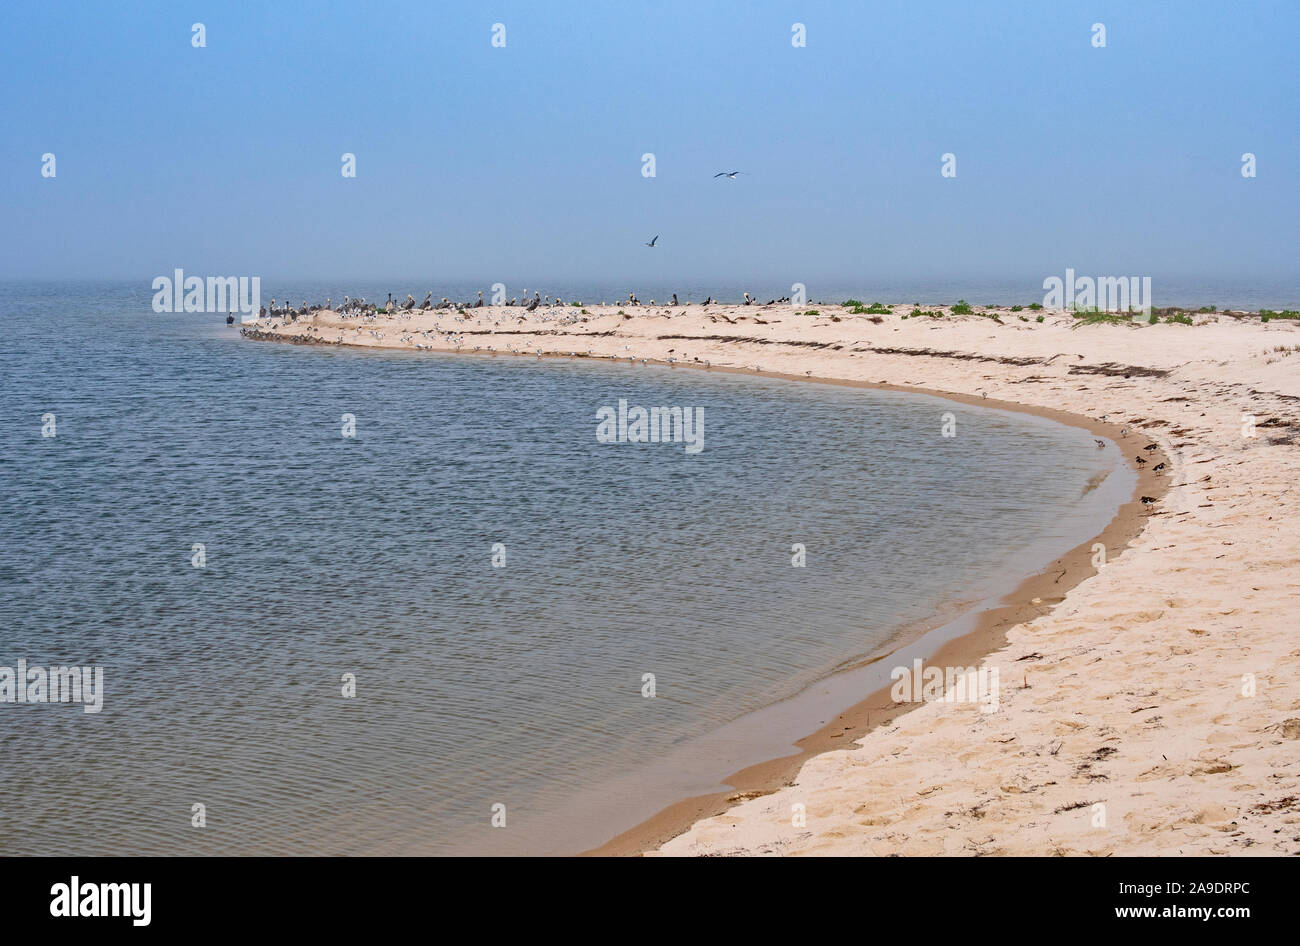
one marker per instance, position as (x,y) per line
(654,241)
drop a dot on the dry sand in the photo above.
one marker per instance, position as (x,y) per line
(1132,692)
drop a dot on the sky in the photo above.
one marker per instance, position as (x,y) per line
(476,162)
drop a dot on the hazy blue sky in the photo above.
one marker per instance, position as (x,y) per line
(475,162)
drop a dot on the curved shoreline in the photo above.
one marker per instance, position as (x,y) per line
(1120,641)
(1035,594)
(969,649)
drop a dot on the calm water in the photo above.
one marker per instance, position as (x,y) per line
(372,555)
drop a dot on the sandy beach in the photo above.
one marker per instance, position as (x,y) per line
(1148,707)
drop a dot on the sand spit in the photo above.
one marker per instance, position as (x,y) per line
(1155,709)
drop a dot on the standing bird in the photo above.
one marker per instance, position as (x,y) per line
(654,241)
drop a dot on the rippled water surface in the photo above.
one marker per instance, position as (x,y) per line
(372,555)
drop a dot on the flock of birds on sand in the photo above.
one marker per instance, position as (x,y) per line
(1139,459)
(360,307)
(548,310)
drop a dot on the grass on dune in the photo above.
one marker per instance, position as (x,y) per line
(857,307)
(1091,315)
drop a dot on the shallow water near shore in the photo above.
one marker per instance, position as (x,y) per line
(372,555)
